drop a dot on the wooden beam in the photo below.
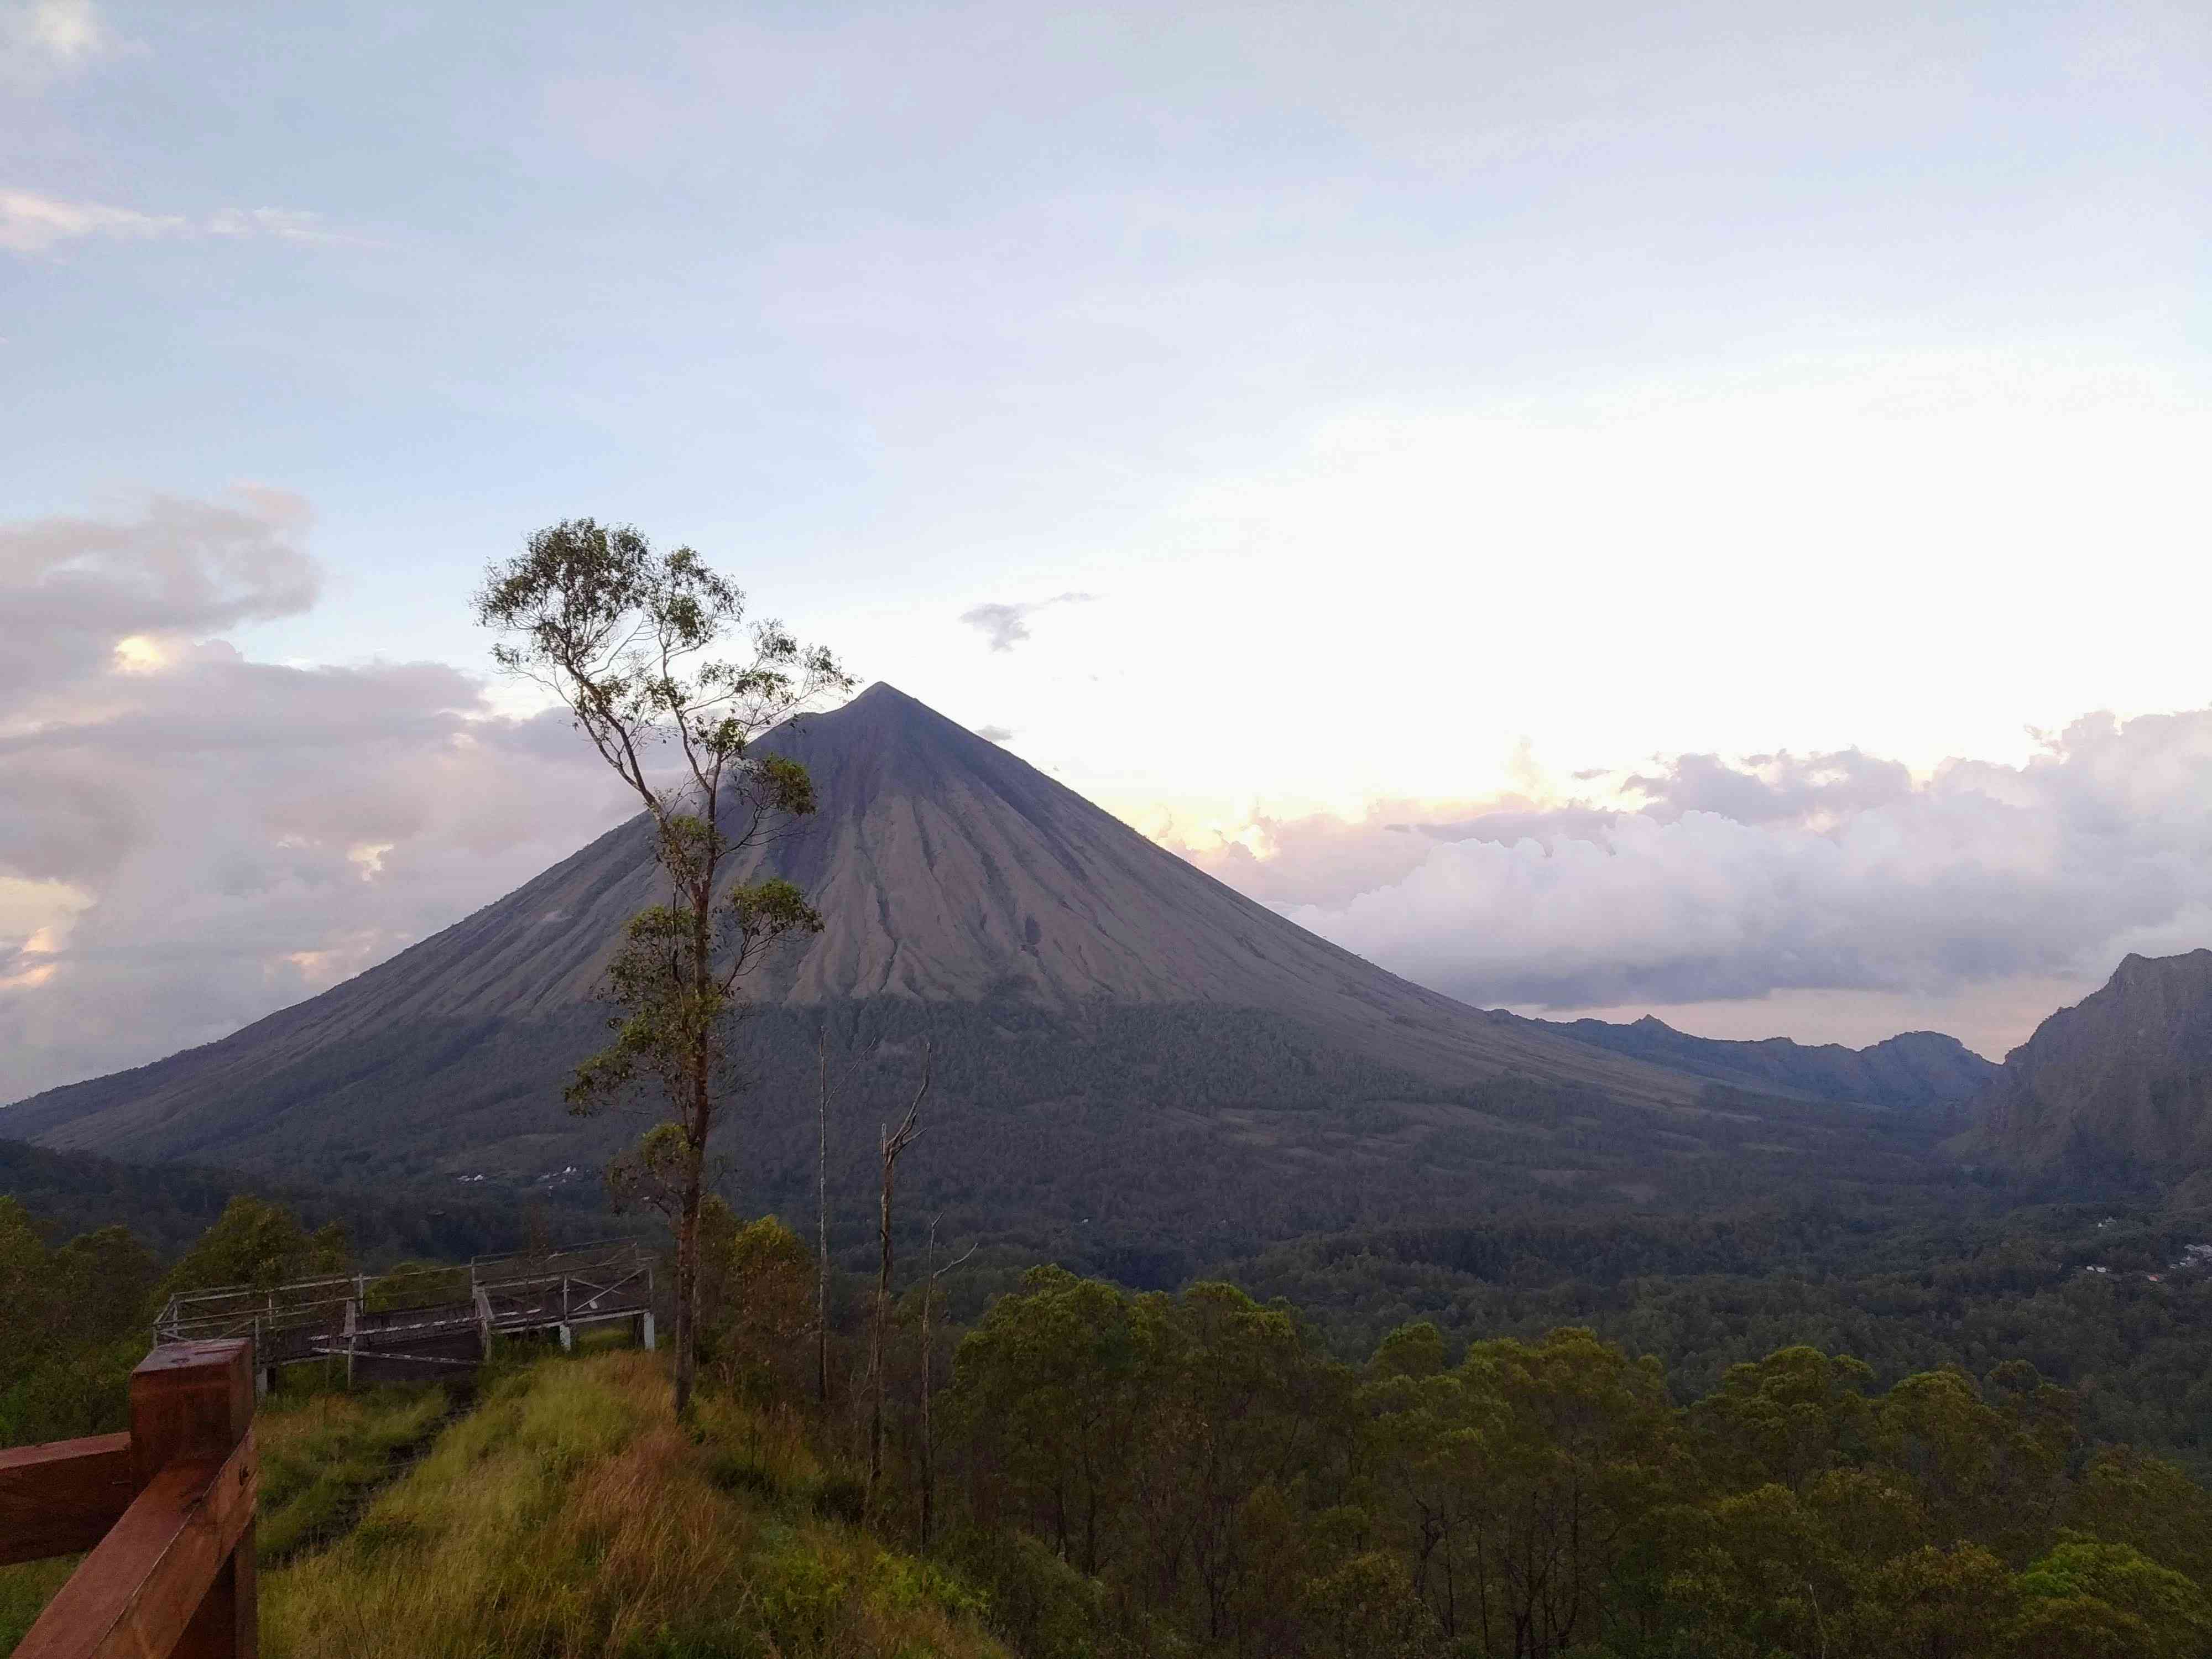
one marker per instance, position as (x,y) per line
(189,1401)
(194,1401)
(62,1497)
(144,1590)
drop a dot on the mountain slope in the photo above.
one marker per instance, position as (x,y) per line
(2121,1079)
(1914,1069)
(949,871)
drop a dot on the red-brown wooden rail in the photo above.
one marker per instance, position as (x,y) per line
(165,1513)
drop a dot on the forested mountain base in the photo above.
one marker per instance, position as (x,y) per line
(168,1206)
(1084,1470)
(1181,1132)
(2107,1298)
(1188,1473)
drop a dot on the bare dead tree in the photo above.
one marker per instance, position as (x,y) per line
(894,1142)
(928,1370)
(822,1216)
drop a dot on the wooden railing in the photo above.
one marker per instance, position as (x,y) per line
(166,1512)
(342,1317)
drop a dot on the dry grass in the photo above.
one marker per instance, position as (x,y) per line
(568,1515)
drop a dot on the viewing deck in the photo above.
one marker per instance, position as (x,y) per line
(424,1322)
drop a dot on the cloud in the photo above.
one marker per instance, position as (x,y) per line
(279,224)
(41,40)
(75,589)
(190,838)
(32,223)
(996,733)
(1703,879)
(1007,625)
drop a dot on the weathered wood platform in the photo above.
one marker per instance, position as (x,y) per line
(423,1323)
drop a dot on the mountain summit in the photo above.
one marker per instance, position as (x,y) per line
(948,871)
(2122,1080)
(1118,1039)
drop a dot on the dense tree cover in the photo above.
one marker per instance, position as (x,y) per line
(2089,1294)
(168,1206)
(1201,1472)
(75,1319)
(756,1299)
(70,1330)
(1194,1473)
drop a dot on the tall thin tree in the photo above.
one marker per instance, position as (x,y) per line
(822,1215)
(894,1142)
(929,1295)
(628,639)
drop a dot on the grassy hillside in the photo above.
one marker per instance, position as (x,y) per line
(322,1454)
(566,1515)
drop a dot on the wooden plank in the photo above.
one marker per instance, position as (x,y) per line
(229,1623)
(195,1401)
(145,1585)
(60,1498)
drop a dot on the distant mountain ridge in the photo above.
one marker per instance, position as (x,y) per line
(2121,1080)
(1912,1069)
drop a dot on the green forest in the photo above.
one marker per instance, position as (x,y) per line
(2101,1297)
(1090,1469)
(79,1316)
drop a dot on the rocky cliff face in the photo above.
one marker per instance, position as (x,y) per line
(2123,1079)
(1914,1070)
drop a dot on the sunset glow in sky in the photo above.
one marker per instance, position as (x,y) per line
(1731,456)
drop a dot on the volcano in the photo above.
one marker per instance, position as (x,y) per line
(1101,1013)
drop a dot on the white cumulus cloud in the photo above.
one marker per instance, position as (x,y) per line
(1703,879)
(191,838)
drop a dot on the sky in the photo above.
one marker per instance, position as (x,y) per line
(1694,508)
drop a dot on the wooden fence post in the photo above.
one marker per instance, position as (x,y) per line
(192,1401)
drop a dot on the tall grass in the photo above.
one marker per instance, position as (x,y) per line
(570,1516)
(321,1453)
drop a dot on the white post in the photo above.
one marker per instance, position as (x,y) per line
(567,1339)
(645,1330)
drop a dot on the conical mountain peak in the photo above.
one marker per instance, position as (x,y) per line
(884,740)
(949,873)
(880,709)
(882,712)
